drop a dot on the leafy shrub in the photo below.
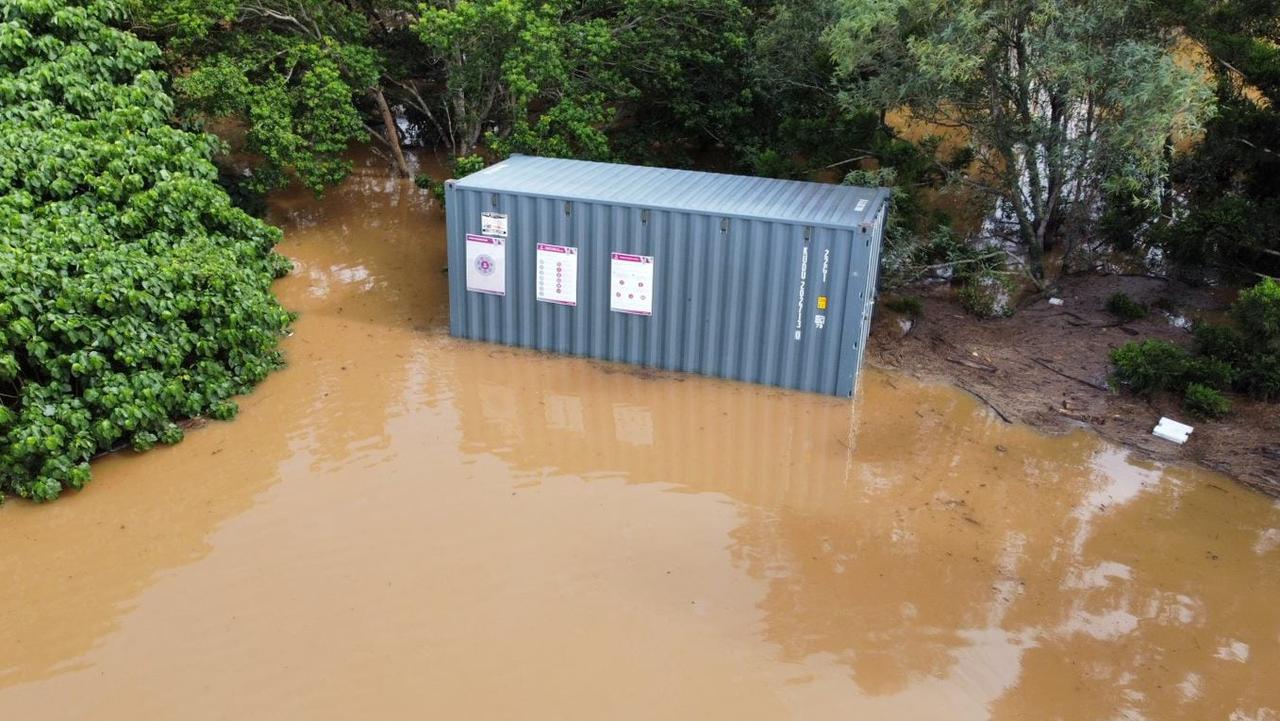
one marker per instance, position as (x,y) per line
(1227,230)
(1220,342)
(1205,402)
(466,165)
(769,163)
(132,291)
(986,295)
(1210,372)
(462,167)
(907,305)
(1260,377)
(1122,306)
(1257,311)
(1149,366)
(429,184)
(1125,212)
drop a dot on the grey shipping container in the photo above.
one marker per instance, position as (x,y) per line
(756,279)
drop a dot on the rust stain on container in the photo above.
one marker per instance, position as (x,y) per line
(405,525)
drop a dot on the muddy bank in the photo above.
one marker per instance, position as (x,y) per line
(1047,367)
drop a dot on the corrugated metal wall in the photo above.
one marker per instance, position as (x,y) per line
(735,297)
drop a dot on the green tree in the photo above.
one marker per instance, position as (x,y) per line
(132,292)
(686,65)
(573,77)
(1230,184)
(532,72)
(292,72)
(1058,97)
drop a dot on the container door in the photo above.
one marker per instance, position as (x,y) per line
(872,250)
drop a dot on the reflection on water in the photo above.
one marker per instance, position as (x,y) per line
(401,524)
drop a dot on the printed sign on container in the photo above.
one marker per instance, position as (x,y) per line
(631,284)
(493,224)
(486,265)
(557,274)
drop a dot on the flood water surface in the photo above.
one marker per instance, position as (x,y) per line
(402,525)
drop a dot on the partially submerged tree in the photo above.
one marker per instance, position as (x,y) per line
(1058,97)
(292,72)
(531,72)
(551,76)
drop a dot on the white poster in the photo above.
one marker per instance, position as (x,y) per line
(486,264)
(494,224)
(557,274)
(631,280)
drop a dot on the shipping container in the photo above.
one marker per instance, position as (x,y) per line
(756,279)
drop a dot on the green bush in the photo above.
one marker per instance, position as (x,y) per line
(466,165)
(1125,213)
(1260,377)
(1122,306)
(1210,372)
(907,305)
(1205,402)
(1150,366)
(769,163)
(1220,342)
(462,167)
(1257,312)
(986,295)
(133,293)
(429,184)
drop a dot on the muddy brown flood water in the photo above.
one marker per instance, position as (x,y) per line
(401,525)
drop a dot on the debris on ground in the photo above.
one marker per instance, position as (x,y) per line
(1049,367)
(1171,430)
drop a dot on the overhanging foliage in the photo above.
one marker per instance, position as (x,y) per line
(132,293)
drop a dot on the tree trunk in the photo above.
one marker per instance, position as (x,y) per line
(393,136)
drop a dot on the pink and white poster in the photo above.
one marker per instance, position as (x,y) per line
(631,284)
(557,279)
(486,265)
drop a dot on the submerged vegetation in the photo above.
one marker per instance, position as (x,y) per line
(136,291)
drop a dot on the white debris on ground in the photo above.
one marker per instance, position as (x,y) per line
(1055,301)
(1171,430)
(1179,321)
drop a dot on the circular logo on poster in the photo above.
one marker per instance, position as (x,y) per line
(484,265)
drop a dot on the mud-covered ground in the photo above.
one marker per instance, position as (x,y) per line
(1047,366)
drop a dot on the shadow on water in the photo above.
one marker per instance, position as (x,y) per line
(401,523)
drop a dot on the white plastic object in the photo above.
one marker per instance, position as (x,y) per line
(1171,430)
(1055,301)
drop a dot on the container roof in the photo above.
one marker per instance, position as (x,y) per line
(840,206)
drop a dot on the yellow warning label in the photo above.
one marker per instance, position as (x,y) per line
(822,302)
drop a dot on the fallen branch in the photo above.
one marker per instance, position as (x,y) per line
(1074,416)
(1121,325)
(990,405)
(846,162)
(1091,384)
(971,364)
